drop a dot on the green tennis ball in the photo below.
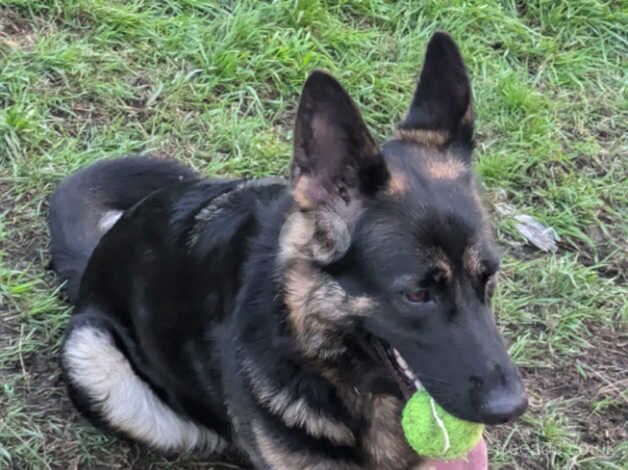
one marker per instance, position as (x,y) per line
(427,438)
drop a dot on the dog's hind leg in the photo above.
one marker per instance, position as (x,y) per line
(106,389)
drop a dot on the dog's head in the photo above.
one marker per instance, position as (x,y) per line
(393,242)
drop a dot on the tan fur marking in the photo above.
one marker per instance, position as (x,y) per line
(468,115)
(384,440)
(472,261)
(316,303)
(295,236)
(397,184)
(445,269)
(446,169)
(477,198)
(424,466)
(270,451)
(319,235)
(361,304)
(427,137)
(441,261)
(279,458)
(297,412)
(300,192)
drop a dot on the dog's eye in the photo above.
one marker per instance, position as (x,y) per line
(417,296)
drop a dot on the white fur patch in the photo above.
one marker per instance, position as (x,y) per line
(108,220)
(126,402)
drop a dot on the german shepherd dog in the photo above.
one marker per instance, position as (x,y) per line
(287,321)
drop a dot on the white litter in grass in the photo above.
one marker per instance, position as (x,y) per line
(539,235)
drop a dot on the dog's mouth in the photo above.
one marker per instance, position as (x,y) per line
(409,383)
(406,379)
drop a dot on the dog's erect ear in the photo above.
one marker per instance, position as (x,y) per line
(335,157)
(442,109)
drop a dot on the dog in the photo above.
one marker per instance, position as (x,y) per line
(286,321)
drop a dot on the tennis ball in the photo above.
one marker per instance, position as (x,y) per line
(434,433)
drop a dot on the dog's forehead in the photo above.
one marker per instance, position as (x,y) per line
(398,242)
(431,206)
(414,167)
(425,179)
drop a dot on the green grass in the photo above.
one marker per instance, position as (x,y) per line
(216,83)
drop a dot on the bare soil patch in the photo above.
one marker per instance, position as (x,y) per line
(15,31)
(590,392)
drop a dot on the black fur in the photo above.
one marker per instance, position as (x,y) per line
(200,287)
(443,95)
(82,198)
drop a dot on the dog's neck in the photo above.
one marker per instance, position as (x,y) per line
(289,331)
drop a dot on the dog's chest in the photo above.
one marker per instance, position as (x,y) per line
(383,439)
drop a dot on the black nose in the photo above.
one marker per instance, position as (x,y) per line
(503,404)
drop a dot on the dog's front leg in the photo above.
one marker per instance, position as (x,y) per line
(283,449)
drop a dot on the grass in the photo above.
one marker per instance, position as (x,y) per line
(216,83)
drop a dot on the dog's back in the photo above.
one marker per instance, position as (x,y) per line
(87,203)
(140,234)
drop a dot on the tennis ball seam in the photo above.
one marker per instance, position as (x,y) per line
(441,425)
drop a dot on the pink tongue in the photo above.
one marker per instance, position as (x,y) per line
(476,459)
